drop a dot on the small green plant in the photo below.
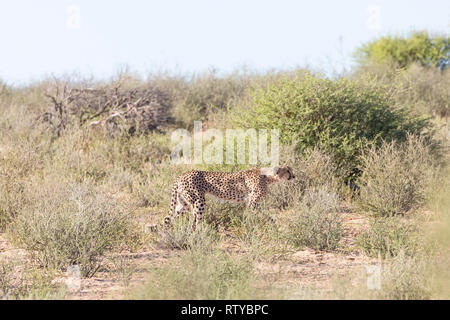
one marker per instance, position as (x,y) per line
(396,177)
(388,236)
(318,224)
(123,269)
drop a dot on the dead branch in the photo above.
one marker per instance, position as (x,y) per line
(117,109)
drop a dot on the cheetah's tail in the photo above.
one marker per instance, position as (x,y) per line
(173,203)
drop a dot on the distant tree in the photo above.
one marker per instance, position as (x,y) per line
(417,47)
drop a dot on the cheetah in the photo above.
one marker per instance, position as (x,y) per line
(190,188)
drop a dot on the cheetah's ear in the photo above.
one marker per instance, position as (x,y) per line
(276,169)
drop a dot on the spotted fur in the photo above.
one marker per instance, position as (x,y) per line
(190,188)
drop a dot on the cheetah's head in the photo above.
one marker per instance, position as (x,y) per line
(280,174)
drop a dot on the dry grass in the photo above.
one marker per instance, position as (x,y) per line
(199,275)
(83,198)
(18,281)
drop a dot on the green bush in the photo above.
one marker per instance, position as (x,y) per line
(70,225)
(318,224)
(428,50)
(339,117)
(388,236)
(396,177)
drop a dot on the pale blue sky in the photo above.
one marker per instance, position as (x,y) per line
(45,37)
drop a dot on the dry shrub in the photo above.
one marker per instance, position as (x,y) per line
(388,236)
(154,191)
(181,236)
(317,224)
(12,198)
(259,234)
(70,224)
(438,235)
(20,156)
(396,177)
(422,89)
(426,90)
(123,269)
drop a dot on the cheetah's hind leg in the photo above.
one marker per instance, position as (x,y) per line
(198,209)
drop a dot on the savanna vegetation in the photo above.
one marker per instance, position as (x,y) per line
(86,174)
